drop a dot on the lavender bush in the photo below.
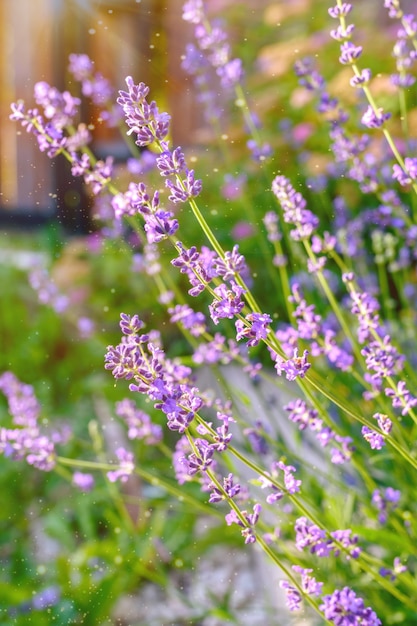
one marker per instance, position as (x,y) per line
(324,312)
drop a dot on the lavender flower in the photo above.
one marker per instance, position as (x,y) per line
(344,608)
(126,466)
(193,321)
(301,414)
(201,458)
(401,398)
(27,441)
(83,481)
(375,440)
(398,568)
(385,501)
(374,119)
(143,118)
(294,367)
(166,383)
(228,302)
(308,583)
(229,489)
(139,423)
(311,536)
(293,596)
(255,329)
(407,176)
(293,206)
(251,520)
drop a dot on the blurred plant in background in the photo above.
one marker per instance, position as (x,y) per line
(264,280)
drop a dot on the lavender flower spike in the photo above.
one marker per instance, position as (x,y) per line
(142,117)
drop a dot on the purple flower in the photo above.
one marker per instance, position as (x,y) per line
(293,596)
(139,423)
(143,118)
(260,152)
(344,608)
(228,301)
(84,482)
(307,534)
(374,119)
(297,366)
(385,502)
(394,9)
(407,176)
(293,206)
(384,422)
(229,489)
(190,320)
(255,330)
(23,404)
(231,265)
(184,189)
(375,440)
(193,12)
(216,351)
(100,175)
(308,583)
(342,32)
(343,453)
(160,225)
(232,188)
(349,53)
(222,438)
(230,73)
(382,358)
(257,439)
(348,541)
(130,325)
(46,598)
(61,107)
(398,568)
(361,79)
(401,398)
(126,466)
(170,163)
(80,66)
(301,414)
(26,442)
(251,520)
(341,10)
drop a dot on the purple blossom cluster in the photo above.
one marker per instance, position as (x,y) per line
(373,117)
(247,521)
(351,151)
(139,423)
(385,502)
(270,480)
(217,74)
(48,129)
(305,417)
(25,440)
(404,50)
(165,382)
(126,466)
(311,536)
(294,209)
(309,586)
(383,360)
(213,49)
(96,87)
(344,608)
